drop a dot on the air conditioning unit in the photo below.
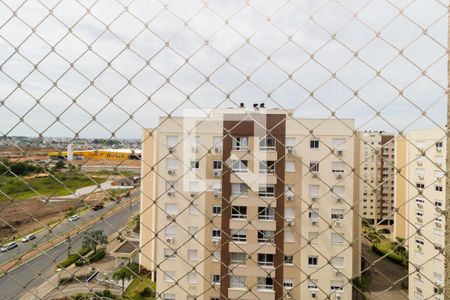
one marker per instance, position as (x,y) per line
(339,199)
(217,149)
(290,149)
(171,193)
(419,290)
(314,222)
(290,221)
(438,149)
(339,176)
(419,162)
(171,172)
(215,242)
(290,197)
(170,240)
(171,149)
(419,205)
(419,247)
(289,294)
(217,173)
(340,152)
(438,224)
(313,295)
(194,149)
(315,174)
(421,177)
(193,195)
(439,164)
(217,195)
(419,219)
(339,223)
(314,199)
(171,217)
(338,273)
(338,297)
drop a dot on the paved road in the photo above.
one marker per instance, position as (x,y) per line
(34,273)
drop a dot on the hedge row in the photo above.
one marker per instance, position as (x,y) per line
(392,256)
(73,258)
(93,257)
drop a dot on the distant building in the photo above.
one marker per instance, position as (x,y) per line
(107,154)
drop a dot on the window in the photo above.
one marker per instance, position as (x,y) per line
(266,166)
(337,262)
(439,174)
(170,231)
(237,258)
(215,279)
(265,236)
(194,164)
(171,163)
(239,189)
(266,190)
(290,142)
(218,141)
(313,237)
(339,190)
(338,143)
(237,282)
(289,236)
(314,144)
(239,235)
(420,185)
(336,285)
(193,209)
(312,284)
(239,212)
(438,203)
(312,261)
(337,167)
(439,145)
(216,187)
(288,259)
(192,278)
(192,254)
(265,260)
(239,166)
(169,297)
(240,143)
(195,141)
(290,166)
(171,140)
(169,253)
(266,213)
(288,283)
(314,166)
(169,276)
(170,209)
(193,230)
(267,143)
(216,233)
(313,214)
(217,165)
(264,283)
(438,188)
(336,238)
(314,190)
(337,214)
(217,210)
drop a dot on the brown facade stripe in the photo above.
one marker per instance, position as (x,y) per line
(254,125)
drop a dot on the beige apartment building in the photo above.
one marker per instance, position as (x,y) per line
(250,204)
(420,200)
(377,178)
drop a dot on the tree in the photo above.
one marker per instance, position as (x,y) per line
(126,272)
(94,238)
(59,165)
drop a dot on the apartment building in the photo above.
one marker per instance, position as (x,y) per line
(377,178)
(421,199)
(250,204)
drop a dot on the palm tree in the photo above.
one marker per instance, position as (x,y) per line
(126,272)
(94,238)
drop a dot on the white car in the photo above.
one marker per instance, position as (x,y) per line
(74,218)
(8,246)
(28,238)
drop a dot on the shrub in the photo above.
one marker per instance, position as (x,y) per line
(94,257)
(392,256)
(147,292)
(73,258)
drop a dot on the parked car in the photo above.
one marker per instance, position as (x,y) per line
(28,238)
(74,218)
(8,246)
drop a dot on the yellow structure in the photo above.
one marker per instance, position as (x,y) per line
(108,154)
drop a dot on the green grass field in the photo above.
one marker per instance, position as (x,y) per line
(137,286)
(48,186)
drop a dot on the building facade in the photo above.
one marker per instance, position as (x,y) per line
(377,178)
(250,205)
(421,191)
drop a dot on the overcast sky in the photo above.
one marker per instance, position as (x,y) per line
(185,54)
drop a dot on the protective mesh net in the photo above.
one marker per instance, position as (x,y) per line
(223,149)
